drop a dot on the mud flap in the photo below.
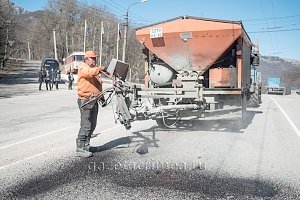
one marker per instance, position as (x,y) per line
(242,121)
(122,111)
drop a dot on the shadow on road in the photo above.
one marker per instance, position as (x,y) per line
(112,144)
(20,80)
(140,141)
(144,139)
(24,76)
(225,125)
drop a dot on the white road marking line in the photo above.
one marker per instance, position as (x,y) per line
(288,118)
(37,155)
(23,141)
(28,158)
(33,138)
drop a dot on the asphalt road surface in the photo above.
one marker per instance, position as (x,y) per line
(206,160)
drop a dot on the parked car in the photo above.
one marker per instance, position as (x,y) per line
(51,71)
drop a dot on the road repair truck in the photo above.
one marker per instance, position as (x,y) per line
(195,69)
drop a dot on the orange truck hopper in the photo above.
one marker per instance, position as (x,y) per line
(190,43)
(200,44)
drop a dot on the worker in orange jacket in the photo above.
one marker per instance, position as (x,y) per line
(88,84)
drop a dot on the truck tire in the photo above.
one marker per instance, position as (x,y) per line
(242,121)
(255,98)
(164,123)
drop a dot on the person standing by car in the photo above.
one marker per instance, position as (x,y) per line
(56,78)
(49,67)
(88,84)
(41,78)
(48,79)
(71,79)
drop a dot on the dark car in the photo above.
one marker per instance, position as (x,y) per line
(51,72)
(49,64)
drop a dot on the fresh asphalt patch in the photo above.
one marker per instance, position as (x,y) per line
(105,174)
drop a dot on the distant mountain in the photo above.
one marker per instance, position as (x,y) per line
(286,69)
(18,9)
(29,19)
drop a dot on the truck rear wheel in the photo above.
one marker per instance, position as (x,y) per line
(242,123)
(164,123)
(255,98)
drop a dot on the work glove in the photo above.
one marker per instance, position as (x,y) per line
(102,102)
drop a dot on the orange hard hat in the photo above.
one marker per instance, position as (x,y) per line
(90,54)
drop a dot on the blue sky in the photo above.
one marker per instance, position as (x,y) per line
(275,24)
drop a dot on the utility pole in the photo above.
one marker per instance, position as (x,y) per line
(126,28)
(125,36)
(101,41)
(6,42)
(29,54)
(54,43)
(67,46)
(84,35)
(118,40)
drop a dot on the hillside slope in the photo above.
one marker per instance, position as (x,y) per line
(286,69)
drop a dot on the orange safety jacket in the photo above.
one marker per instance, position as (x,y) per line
(87,83)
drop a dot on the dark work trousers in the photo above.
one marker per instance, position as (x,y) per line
(70,83)
(40,85)
(88,120)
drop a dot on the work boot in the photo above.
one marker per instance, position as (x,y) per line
(81,150)
(87,143)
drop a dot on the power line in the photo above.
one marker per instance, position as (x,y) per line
(90,7)
(121,9)
(274,31)
(69,6)
(275,25)
(278,22)
(124,9)
(282,17)
(267,24)
(100,10)
(44,32)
